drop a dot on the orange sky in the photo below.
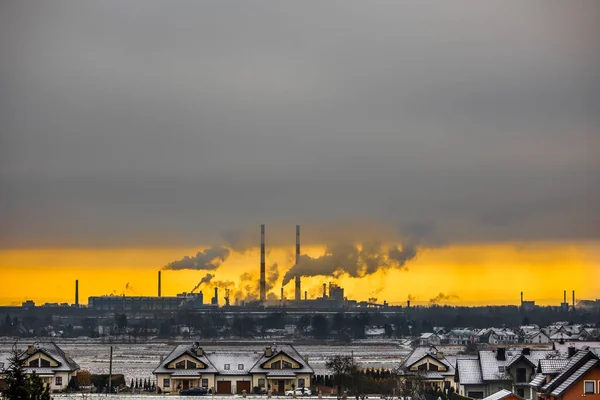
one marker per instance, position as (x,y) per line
(469,274)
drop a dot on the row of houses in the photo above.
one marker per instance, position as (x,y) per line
(528,334)
(278,368)
(523,372)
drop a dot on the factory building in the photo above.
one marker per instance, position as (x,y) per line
(143,303)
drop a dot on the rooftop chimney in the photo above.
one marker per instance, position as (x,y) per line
(77,293)
(263,280)
(268,351)
(30,349)
(158,283)
(501,354)
(571,351)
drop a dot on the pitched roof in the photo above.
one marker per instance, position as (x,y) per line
(285,349)
(500,395)
(551,366)
(538,380)
(469,372)
(179,351)
(574,377)
(50,349)
(580,358)
(491,367)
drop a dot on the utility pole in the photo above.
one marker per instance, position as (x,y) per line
(110,371)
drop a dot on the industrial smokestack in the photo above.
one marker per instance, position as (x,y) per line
(216,298)
(263,279)
(565,297)
(158,283)
(573,299)
(305,295)
(521,298)
(324,290)
(298,291)
(77,293)
(281,294)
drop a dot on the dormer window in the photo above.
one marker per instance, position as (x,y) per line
(501,369)
(227,367)
(240,366)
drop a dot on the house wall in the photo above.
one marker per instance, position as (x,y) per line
(577,390)
(306,377)
(66,377)
(464,390)
(234,379)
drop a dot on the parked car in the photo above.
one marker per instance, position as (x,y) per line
(195,391)
(299,392)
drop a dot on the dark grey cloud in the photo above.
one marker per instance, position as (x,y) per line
(148,123)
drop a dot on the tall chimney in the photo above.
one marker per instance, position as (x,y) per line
(298,291)
(573,299)
(158,283)
(77,293)
(282,293)
(521,298)
(263,280)
(565,297)
(324,290)
(216,296)
(305,295)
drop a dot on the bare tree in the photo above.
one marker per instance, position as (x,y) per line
(410,384)
(346,374)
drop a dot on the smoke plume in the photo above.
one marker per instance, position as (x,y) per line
(209,259)
(206,279)
(353,260)
(442,298)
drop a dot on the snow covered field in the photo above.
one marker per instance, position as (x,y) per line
(137,361)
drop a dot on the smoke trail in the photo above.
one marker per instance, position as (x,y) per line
(209,259)
(443,298)
(352,260)
(206,279)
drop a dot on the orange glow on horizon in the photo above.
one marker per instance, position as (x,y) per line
(475,274)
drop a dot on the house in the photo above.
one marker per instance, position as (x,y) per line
(579,378)
(233,371)
(431,365)
(536,337)
(48,361)
(503,395)
(498,336)
(429,339)
(495,370)
(462,337)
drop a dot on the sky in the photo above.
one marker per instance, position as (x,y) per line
(133,134)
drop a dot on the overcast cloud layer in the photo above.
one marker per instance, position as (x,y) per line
(169,123)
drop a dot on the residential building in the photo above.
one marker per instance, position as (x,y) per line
(48,361)
(233,371)
(503,395)
(429,339)
(579,378)
(498,336)
(431,365)
(462,337)
(495,370)
(536,337)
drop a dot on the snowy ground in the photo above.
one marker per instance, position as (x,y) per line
(162,397)
(137,361)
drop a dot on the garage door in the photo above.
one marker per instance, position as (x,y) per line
(243,385)
(224,387)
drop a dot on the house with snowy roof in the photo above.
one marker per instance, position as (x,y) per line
(462,336)
(431,365)
(536,337)
(54,367)
(429,339)
(498,336)
(578,378)
(232,371)
(494,370)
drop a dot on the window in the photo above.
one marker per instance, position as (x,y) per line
(501,368)
(240,366)
(433,367)
(521,392)
(276,365)
(475,395)
(180,364)
(227,367)
(261,383)
(285,364)
(58,381)
(205,382)
(589,387)
(190,364)
(422,367)
(301,382)
(34,363)
(44,363)
(521,375)
(166,382)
